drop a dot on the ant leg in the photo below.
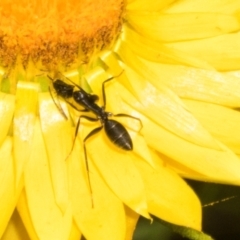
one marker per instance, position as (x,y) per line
(77,127)
(79,110)
(103,91)
(58,105)
(93,132)
(126,115)
(103,88)
(50,78)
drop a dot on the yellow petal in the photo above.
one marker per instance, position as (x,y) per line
(146,5)
(106,218)
(182,26)
(164,108)
(221,52)
(182,169)
(206,161)
(169,197)
(193,83)
(7,105)
(131,219)
(58,138)
(141,148)
(15,229)
(118,171)
(221,122)
(220,6)
(48,220)
(23,124)
(154,51)
(9,193)
(110,59)
(94,78)
(24,213)
(75,233)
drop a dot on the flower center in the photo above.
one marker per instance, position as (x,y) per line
(56,34)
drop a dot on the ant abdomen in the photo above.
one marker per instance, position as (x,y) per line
(118,134)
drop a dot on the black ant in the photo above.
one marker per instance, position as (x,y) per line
(66,91)
(114,130)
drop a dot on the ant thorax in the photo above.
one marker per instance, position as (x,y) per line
(103,115)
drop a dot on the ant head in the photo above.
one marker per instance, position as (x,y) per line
(63,89)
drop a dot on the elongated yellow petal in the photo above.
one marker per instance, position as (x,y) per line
(15,229)
(164,108)
(140,147)
(181,169)
(146,5)
(57,136)
(48,220)
(169,197)
(118,171)
(222,52)
(23,210)
(9,192)
(131,222)
(110,59)
(154,51)
(193,83)
(221,122)
(209,155)
(204,160)
(23,124)
(217,6)
(7,104)
(75,233)
(105,219)
(182,26)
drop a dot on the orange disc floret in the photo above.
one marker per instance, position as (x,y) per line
(56,33)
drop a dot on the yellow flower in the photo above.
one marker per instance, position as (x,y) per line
(167,58)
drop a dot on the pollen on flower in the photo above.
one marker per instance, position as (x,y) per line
(57,33)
